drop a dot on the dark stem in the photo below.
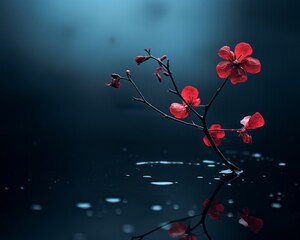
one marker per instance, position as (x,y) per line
(227,178)
(143,100)
(214,97)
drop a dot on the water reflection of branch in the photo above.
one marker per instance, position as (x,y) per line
(227,177)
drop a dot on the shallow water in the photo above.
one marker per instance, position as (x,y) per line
(144,194)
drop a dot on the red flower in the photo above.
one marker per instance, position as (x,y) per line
(215,210)
(251,122)
(238,63)
(190,95)
(177,230)
(253,223)
(141,59)
(115,81)
(216,135)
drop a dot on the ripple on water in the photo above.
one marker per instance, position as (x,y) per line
(112,199)
(162,183)
(83,205)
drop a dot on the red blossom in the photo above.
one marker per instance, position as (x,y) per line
(177,229)
(190,95)
(255,224)
(238,63)
(115,81)
(250,122)
(156,73)
(215,210)
(162,58)
(216,135)
(141,59)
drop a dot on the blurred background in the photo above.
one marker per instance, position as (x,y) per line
(81,161)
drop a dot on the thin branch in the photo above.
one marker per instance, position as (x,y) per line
(143,100)
(214,97)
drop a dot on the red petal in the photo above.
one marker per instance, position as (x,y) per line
(157,71)
(206,141)
(162,57)
(238,75)
(255,121)
(216,133)
(224,69)
(177,229)
(190,94)
(179,110)
(245,120)
(226,54)
(254,224)
(251,65)
(242,50)
(140,59)
(246,137)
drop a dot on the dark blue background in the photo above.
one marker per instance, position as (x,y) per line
(59,123)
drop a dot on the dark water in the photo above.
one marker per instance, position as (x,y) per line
(80,161)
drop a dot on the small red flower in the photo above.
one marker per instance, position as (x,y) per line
(253,223)
(115,81)
(190,95)
(250,122)
(238,63)
(141,59)
(215,210)
(216,135)
(177,230)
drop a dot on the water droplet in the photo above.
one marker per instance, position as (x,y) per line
(271,195)
(230,201)
(176,207)
(200,177)
(229,184)
(156,207)
(211,165)
(124,149)
(6,188)
(112,199)
(127,175)
(191,213)
(128,228)
(279,193)
(165,226)
(147,176)
(217,178)
(162,183)
(208,161)
(282,164)
(22,188)
(227,171)
(230,214)
(83,205)
(36,207)
(256,155)
(276,205)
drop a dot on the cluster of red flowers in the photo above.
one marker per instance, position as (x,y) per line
(238,63)
(215,211)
